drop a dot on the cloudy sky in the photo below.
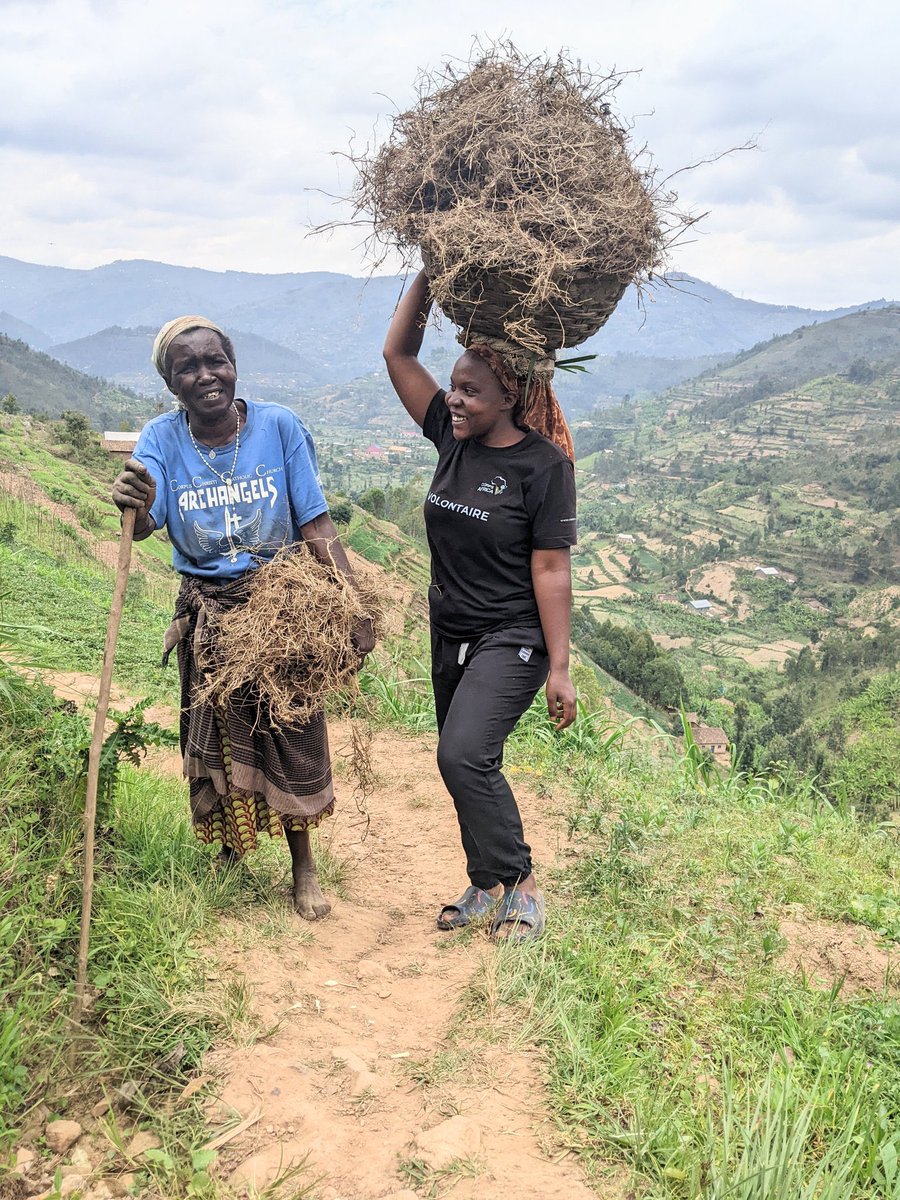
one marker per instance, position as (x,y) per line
(204,132)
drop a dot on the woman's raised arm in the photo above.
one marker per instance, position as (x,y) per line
(414,384)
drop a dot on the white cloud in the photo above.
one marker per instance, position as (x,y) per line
(194,132)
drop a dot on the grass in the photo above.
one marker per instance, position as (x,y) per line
(442,1066)
(154,1006)
(71,600)
(432,1182)
(675,1043)
(28,525)
(396,691)
(371,543)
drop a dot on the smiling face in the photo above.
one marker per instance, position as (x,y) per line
(479,407)
(202,376)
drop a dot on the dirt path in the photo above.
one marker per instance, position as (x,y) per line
(369,1048)
(83,689)
(366,1064)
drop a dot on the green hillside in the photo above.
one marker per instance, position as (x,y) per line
(830,445)
(58,543)
(40,384)
(828,348)
(713,1003)
(776,510)
(799,472)
(681,499)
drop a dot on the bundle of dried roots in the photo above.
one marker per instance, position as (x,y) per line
(516,174)
(291,641)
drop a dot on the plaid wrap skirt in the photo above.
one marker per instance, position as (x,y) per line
(245,777)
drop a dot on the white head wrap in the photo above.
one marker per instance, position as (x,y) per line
(173,329)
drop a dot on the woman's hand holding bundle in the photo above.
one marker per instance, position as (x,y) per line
(363,637)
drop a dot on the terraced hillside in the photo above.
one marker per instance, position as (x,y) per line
(807,473)
(747,526)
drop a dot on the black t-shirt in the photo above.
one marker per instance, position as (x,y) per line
(487,509)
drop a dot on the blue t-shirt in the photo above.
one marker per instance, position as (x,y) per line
(219,530)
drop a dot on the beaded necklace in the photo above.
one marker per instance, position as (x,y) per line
(229,475)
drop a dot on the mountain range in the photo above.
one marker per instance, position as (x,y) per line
(316,329)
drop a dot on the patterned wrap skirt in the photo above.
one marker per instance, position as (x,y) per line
(245,777)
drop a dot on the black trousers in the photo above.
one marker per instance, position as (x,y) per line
(481,688)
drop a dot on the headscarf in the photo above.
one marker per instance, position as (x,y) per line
(520,372)
(173,329)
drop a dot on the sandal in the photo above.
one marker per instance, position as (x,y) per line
(521,910)
(473,903)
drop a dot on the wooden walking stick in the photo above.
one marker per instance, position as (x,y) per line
(115,443)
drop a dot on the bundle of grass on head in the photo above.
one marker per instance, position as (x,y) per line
(516,182)
(291,640)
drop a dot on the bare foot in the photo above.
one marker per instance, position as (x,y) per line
(309,900)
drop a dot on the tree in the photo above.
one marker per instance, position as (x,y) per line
(662,682)
(787,712)
(836,734)
(341,510)
(862,564)
(373,500)
(742,744)
(9,404)
(76,429)
(866,776)
(778,750)
(631,656)
(861,371)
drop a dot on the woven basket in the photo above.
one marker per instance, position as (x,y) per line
(490,303)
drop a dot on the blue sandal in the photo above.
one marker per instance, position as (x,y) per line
(471,905)
(521,910)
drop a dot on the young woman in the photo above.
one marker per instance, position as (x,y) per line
(500,518)
(233,481)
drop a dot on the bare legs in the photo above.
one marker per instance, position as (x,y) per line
(309,899)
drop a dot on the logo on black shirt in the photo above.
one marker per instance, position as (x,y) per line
(494,487)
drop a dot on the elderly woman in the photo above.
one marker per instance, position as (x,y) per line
(233,481)
(500,518)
